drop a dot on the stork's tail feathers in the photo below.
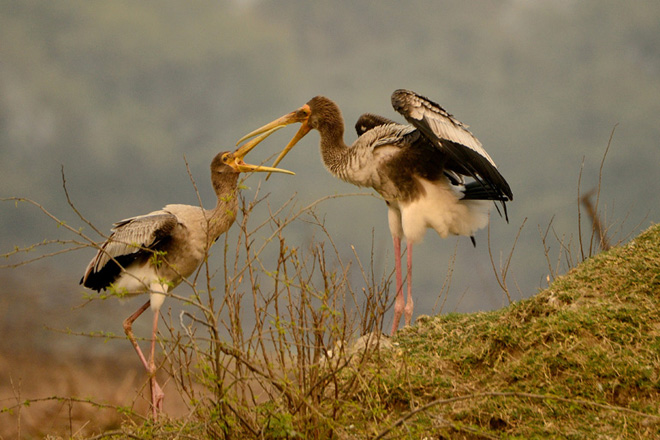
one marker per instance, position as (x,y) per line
(479,191)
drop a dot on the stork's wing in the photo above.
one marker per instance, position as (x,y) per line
(464,151)
(129,237)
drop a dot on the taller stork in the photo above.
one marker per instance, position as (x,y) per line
(153,253)
(419,169)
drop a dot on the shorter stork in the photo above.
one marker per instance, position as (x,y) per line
(153,253)
(419,169)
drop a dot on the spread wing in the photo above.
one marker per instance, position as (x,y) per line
(464,152)
(129,239)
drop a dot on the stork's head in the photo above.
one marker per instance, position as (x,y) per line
(320,113)
(369,121)
(228,162)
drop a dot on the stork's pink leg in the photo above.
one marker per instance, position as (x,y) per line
(128,329)
(399,301)
(157,394)
(409,300)
(148,365)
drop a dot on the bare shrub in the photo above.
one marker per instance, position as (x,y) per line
(600,235)
(281,375)
(262,347)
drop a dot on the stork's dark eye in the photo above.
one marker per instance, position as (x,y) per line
(304,112)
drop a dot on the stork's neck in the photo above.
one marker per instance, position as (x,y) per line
(223,215)
(333,148)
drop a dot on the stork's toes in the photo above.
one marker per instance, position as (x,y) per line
(157,397)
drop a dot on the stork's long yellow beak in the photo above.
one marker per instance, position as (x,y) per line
(300,115)
(242,151)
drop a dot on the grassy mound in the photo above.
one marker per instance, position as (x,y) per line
(579,360)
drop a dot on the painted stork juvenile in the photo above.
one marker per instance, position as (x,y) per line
(419,169)
(153,253)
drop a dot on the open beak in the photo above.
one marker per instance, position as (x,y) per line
(242,151)
(300,115)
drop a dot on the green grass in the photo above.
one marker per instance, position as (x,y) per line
(579,360)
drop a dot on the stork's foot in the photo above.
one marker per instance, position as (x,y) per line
(396,320)
(408,312)
(157,397)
